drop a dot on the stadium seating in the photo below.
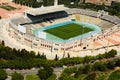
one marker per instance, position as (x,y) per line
(86,12)
(93,20)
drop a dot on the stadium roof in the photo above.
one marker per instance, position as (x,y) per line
(45,10)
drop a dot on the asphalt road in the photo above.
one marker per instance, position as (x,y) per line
(57,71)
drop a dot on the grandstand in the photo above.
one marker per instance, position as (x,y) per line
(30,27)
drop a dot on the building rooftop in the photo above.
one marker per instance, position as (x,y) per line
(45,10)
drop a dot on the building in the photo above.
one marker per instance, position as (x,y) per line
(99,2)
(28,28)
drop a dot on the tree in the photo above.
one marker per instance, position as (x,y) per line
(83,70)
(68,55)
(99,66)
(117,63)
(42,73)
(17,76)
(110,54)
(3,74)
(86,68)
(100,56)
(38,55)
(66,74)
(56,58)
(45,73)
(87,59)
(43,56)
(32,54)
(3,43)
(91,76)
(110,64)
(49,70)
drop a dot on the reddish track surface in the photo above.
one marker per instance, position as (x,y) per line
(111,40)
(118,35)
(97,43)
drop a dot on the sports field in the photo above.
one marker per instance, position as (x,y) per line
(68,31)
(7,7)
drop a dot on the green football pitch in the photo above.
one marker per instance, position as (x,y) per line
(68,31)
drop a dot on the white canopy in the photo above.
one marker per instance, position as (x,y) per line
(44,10)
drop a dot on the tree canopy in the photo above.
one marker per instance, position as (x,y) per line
(3,74)
(45,73)
(17,76)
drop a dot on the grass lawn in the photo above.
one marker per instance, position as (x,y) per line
(68,31)
(7,7)
(53,77)
(99,75)
(32,77)
(102,75)
(115,75)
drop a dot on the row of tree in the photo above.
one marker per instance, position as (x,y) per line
(8,53)
(38,3)
(22,59)
(114,9)
(3,74)
(15,75)
(34,3)
(44,73)
(90,68)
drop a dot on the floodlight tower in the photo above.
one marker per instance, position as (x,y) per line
(55,2)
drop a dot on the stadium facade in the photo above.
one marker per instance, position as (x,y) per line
(23,28)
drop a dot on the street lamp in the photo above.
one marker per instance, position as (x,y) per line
(63,49)
(52,48)
(102,34)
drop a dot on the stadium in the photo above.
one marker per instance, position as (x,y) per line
(58,28)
